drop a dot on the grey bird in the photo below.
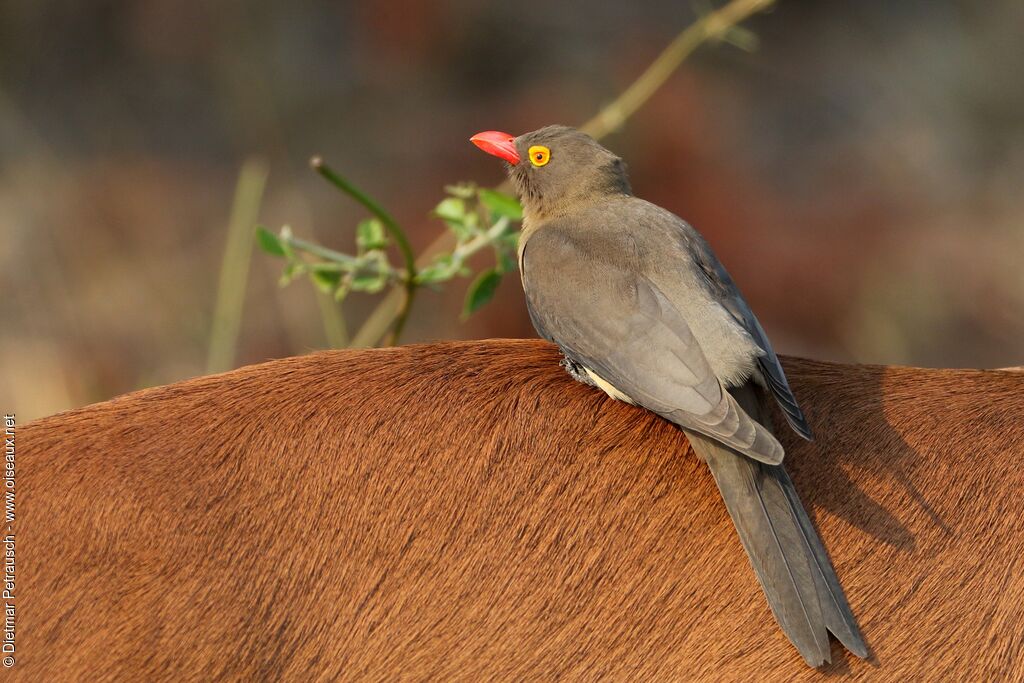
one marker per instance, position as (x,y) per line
(641,308)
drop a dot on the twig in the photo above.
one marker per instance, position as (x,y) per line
(397,234)
(343,261)
(713,26)
(485,239)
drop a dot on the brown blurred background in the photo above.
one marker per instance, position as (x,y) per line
(861,173)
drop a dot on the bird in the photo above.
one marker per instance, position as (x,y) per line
(641,308)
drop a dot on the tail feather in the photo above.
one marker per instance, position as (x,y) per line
(788,557)
(774,543)
(838,615)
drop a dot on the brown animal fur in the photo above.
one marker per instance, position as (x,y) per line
(466,511)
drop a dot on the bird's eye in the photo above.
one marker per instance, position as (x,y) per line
(539,155)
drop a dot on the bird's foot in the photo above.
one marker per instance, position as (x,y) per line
(576,371)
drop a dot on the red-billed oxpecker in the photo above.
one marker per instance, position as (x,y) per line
(642,309)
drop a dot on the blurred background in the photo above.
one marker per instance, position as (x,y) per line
(861,173)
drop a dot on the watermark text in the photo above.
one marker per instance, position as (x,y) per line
(8,588)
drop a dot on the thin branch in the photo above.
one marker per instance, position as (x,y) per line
(337,260)
(318,250)
(485,239)
(712,26)
(397,234)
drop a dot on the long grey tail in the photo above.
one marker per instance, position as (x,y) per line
(785,551)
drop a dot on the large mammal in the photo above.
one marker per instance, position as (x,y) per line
(466,511)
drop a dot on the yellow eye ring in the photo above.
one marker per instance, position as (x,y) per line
(539,155)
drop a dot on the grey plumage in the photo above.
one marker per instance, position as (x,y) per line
(641,307)
(610,316)
(790,562)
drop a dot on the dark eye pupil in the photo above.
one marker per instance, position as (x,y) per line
(540,155)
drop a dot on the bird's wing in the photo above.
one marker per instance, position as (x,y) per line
(614,321)
(729,296)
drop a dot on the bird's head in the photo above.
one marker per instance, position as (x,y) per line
(555,167)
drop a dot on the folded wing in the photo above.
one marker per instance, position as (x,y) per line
(729,296)
(622,327)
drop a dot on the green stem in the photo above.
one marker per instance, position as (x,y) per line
(486,239)
(234,269)
(336,261)
(397,234)
(335,329)
(481,241)
(322,252)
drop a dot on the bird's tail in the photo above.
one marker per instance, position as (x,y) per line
(784,549)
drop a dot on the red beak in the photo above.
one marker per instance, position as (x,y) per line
(501,145)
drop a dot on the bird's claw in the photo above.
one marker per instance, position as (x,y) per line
(576,371)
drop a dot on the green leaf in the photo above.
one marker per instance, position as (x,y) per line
(370,235)
(500,204)
(443,268)
(463,190)
(269,242)
(325,280)
(451,209)
(506,258)
(481,291)
(368,282)
(372,281)
(453,212)
(292,270)
(427,275)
